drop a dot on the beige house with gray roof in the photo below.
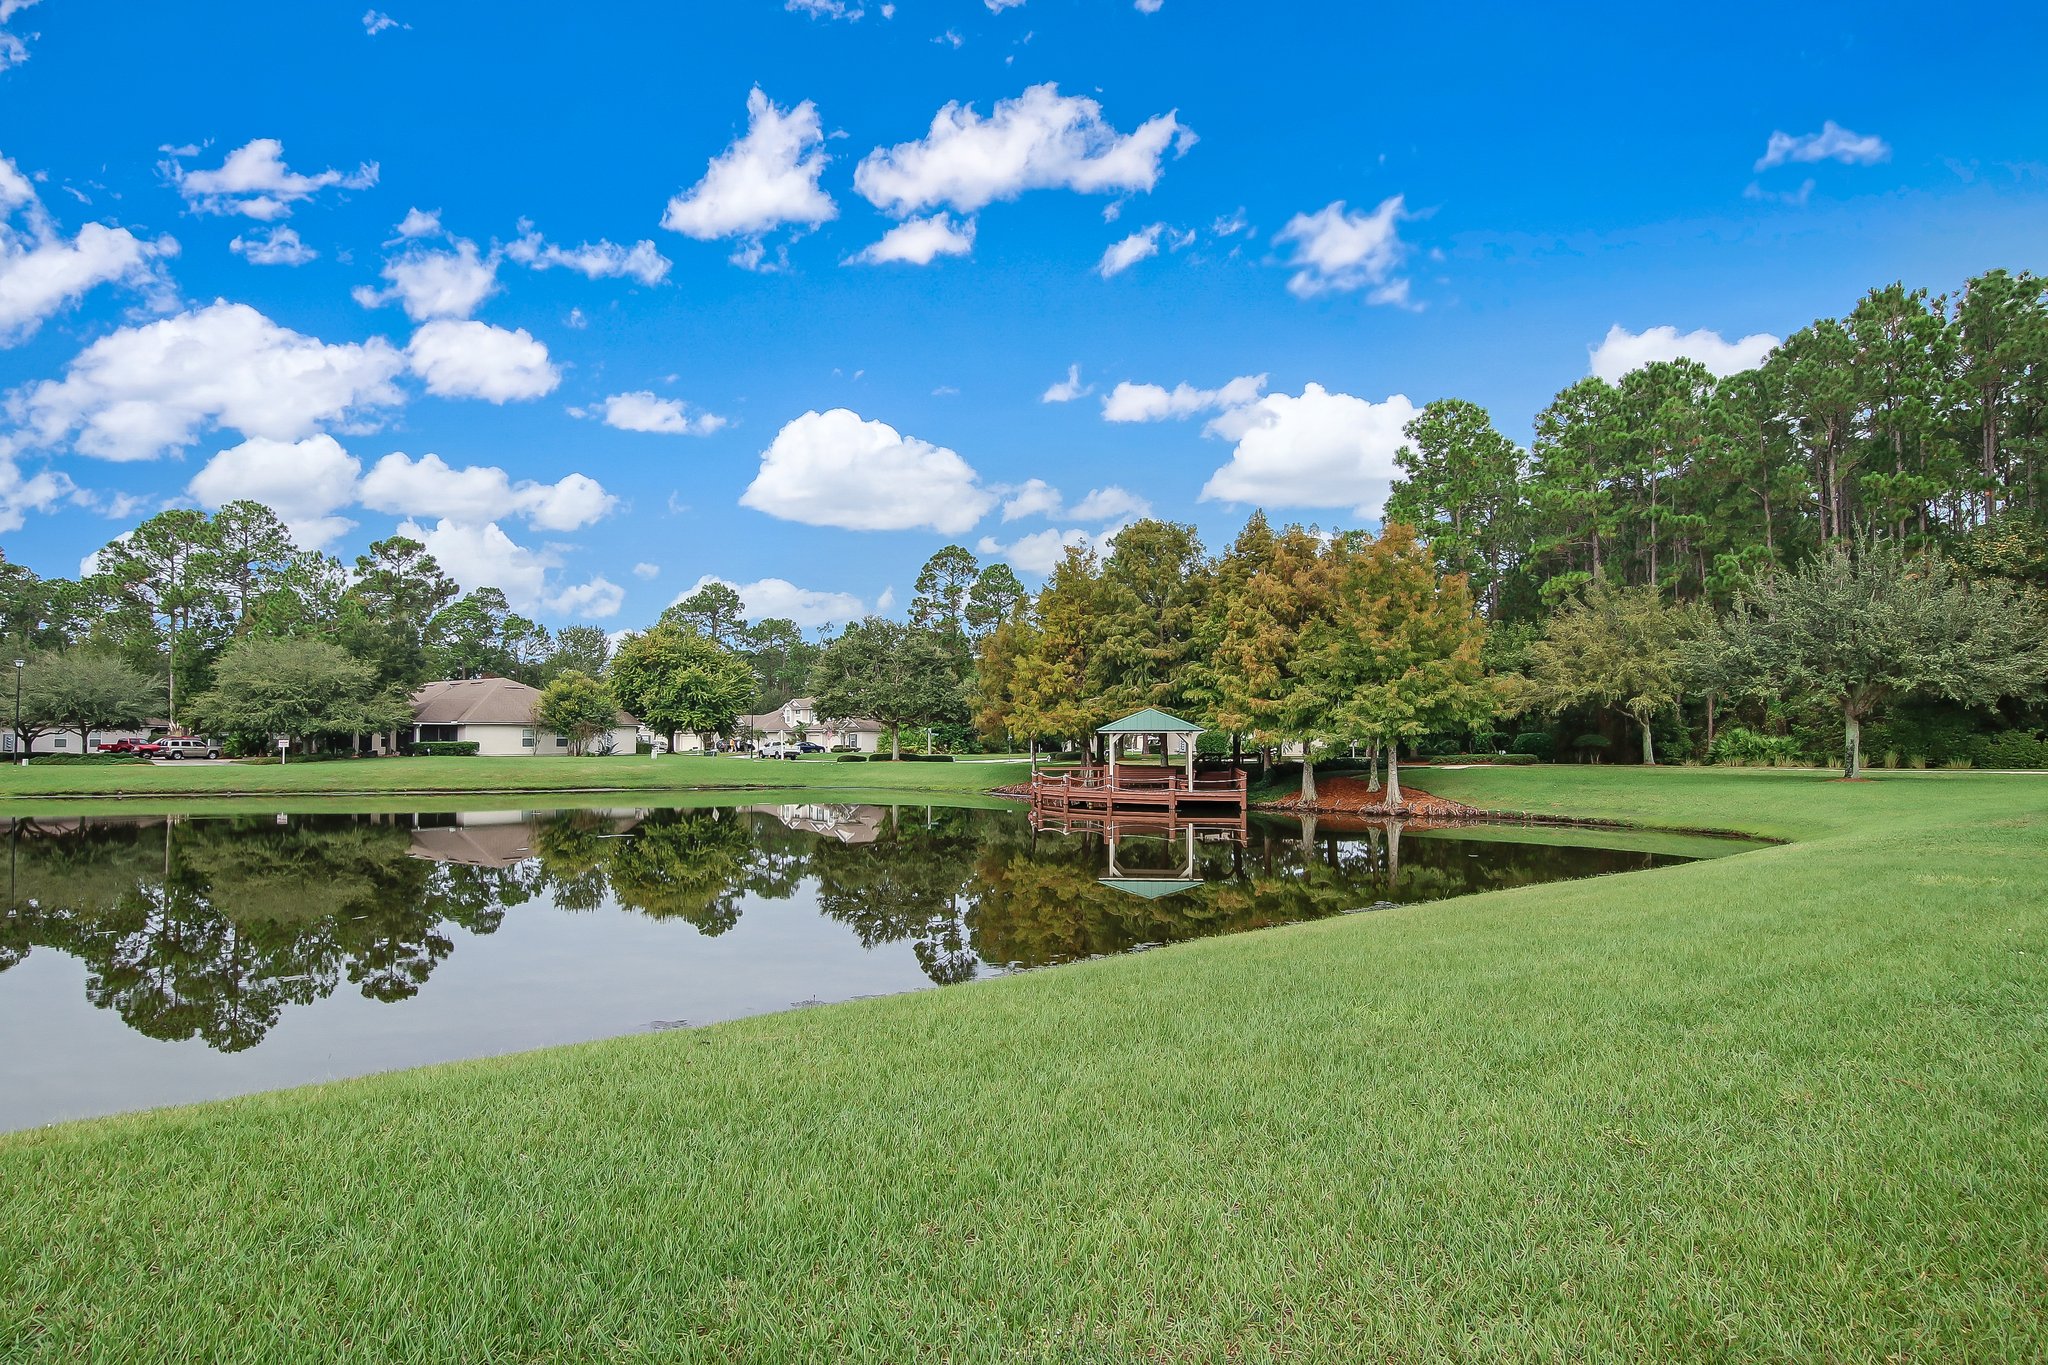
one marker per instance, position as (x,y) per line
(496,714)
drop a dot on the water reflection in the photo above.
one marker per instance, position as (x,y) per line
(210,928)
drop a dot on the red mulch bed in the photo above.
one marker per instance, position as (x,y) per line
(1349,796)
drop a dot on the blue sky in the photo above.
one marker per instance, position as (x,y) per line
(558,290)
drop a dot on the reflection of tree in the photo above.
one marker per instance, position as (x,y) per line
(910,883)
(685,864)
(210,928)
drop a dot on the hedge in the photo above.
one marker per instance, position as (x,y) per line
(85,760)
(851,758)
(446,748)
(2009,749)
(1535,743)
(1498,760)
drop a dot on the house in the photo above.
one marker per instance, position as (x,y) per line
(66,741)
(797,722)
(496,714)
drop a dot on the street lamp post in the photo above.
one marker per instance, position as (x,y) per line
(928,742)
(19,757)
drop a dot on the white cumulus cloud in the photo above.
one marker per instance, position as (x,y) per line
(280,246)
(597,260)
(764,179)
(435,284)
(42,270)
(1039,140)
(920,241)
(1037,498)
(778,597)
(1341,250)
(1832,143)
(139,391)
(644,411)
(419,222)
(430,487)
(255,182)
(1319,449)
(1129,402)
(304,482)
(1041,551)
(837,468)
(476,360)
(1622,350)
(1122,255)
(483,556)
(1068,389)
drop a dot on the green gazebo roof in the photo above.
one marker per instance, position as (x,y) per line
(1150,721)
(1150,888)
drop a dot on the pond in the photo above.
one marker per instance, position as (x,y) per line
(152,960)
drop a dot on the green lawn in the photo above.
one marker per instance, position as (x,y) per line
(1786,1105)
(455,775)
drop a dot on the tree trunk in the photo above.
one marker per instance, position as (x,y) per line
(1649,754)
(895,744)
(1393,801)
(1710,720)
(1852,745)
(1308,776)
(1372,768)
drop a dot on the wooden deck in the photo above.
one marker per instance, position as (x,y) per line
(1136,788)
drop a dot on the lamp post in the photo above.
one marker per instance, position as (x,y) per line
(18,664)
(928,742)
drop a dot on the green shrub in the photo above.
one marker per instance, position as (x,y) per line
(446,748)
(1742,747)
(328,756)
(1537,744)
(1592,742)
(852,758)
(924,758)
(1499,760)
(85,760)
(2009,749)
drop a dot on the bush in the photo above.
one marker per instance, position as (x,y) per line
(1537,744)
(851,758)
(85,760)
(1489,742)
(1741,747)
(643,747)
(915,758)
(1501,760)
(2009,749)
(446,748)
(327,756)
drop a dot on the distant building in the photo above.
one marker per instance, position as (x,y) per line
(797,722)
(496,714)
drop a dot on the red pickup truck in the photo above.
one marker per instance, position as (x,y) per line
(148,747)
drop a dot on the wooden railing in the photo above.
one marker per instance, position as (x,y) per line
(1141,785)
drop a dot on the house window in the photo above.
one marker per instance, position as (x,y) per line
(561,741)
(437,734)
(63,742)
(526,737)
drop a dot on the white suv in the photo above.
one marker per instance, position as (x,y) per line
(190,746)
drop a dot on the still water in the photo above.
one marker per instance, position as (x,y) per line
(158,960)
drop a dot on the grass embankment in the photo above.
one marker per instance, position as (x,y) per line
(374,776)
(1785,1105)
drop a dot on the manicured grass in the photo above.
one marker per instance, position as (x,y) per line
(451,775)
(1785,1105)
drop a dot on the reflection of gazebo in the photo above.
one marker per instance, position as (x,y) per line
(1152,883)
(1139,786)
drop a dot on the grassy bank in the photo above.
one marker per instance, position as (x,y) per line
(1784,1105)
(371,777)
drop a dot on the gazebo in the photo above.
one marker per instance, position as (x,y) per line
(1107,788)
(1146,723)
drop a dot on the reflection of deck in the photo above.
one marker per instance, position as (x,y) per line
(1181,837)
(1167,791)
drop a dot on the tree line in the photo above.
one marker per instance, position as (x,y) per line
(1852,534)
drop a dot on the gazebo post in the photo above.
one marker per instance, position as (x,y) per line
(1192,737)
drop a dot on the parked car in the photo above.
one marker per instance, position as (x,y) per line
(148,748)
(190,746)
(119,746)
(809,748)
